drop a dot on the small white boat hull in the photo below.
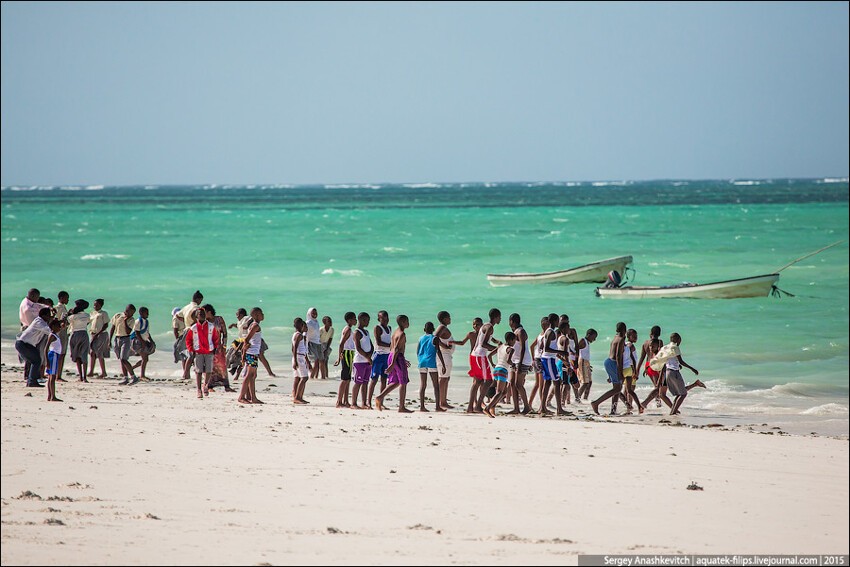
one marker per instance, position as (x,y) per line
(593,273)
(758,286)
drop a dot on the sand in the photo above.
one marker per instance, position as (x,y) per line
(150,474)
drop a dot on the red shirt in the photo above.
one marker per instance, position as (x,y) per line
(202,338)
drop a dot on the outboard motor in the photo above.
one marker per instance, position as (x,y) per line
(613,280)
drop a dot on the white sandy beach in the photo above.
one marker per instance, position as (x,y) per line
(151,475)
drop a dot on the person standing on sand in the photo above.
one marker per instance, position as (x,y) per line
(630,372)
(54,355)
(326,336)
(346,357)
(202,341)
(426,354)
(548,360)
(78,344)
(645,354)
(315,352)
(143,344)
(28,313)
(362,360)
(62,316)
(584,369)
(27,344)
(445,346)
(122,326)
(187,314)
(673,375)
(381,356)
(614,368)
(178,327)
(301,368)
(251,358)
(537,356)
(99,343)
(659,392)
(521,363)
(397,371)
(480,370)
(504,353)
(218,377)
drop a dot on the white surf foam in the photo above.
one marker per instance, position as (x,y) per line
(104,256)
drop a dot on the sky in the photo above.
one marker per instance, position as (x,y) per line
(301,93)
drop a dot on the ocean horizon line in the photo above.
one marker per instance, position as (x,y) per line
(742,181)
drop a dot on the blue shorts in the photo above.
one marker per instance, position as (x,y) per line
(380,362)
(53,363)
(500,373)
(550,369)
(612,370)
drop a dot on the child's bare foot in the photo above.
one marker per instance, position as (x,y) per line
(439,409)
(595,407)
(379,404)
(562,412)
(243,401)
(512,412)
(229,390)
(403,409)
(527,410)
(256,401)
(448,406)
(699,384)
(200,395)
(424,409)
(60,379)
(298,402)
(641,409)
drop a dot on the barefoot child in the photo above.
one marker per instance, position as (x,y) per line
(301,367)
(645,355)
(630,372)
(445,347)
(479,360)
(346,357)
(251,358)
(548,359)
(521,364)
(584,369)
(54,355)
(381,356)
(326,335)
(78,344)
(362,360)
(426,353)
(659,392)
(536,353)
(504,353)
(675,382)
(397,370)
(614,368)
(143,344)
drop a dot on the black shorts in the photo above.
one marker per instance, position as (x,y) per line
(569,376)
(347,358)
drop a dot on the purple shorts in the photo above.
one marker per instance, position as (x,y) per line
(398,375)
(362,371)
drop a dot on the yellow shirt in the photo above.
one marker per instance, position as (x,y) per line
(120,328)
(99,321)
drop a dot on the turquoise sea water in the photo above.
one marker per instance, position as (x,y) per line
(420,248)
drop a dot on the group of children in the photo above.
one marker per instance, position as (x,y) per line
(558,357)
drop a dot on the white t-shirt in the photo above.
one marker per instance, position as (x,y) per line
(79,321)
(137,327)
(502,356)
(313,330)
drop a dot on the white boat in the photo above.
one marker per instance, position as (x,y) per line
(595,273)
(757,286)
